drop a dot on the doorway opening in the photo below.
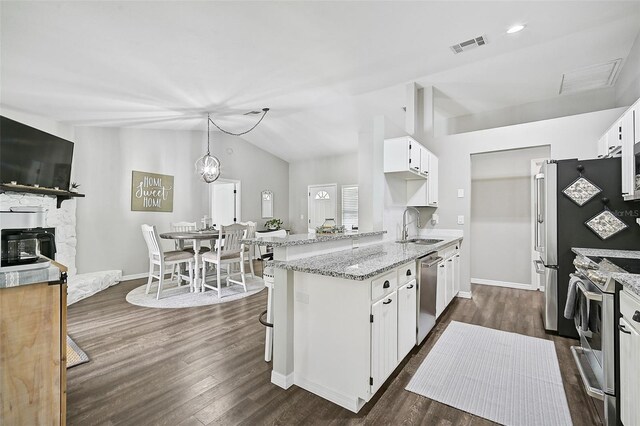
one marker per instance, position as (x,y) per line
(322,204)
(502,218)
(225,197)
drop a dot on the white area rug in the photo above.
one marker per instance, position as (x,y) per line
(173,296)
(504,377)
(82,286)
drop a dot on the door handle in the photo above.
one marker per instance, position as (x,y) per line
(590,295)
(624,330)
(386,302)
(410,286)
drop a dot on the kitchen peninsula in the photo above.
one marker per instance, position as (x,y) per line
(345,317)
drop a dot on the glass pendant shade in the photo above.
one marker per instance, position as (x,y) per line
(208,168)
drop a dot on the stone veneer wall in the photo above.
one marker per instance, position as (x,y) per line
(63,219)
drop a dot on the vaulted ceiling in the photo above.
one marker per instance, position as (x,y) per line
(324,68)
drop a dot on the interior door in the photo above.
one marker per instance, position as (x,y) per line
(223,203)
(322,204)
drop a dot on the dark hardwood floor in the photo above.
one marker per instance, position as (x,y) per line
(205,366)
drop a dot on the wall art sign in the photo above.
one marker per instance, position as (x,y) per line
(151,192)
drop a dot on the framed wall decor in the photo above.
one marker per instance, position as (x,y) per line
(151,192)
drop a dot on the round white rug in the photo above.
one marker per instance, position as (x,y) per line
(173,296)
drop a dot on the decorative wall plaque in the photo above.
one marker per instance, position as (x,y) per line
(151,192)
(605,224)
(581,191)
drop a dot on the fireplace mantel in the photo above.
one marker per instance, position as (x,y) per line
(60,195)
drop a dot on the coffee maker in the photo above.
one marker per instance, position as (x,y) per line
(22,236)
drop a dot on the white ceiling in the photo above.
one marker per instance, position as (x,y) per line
(324,68)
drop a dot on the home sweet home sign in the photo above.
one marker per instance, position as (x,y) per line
(151,192)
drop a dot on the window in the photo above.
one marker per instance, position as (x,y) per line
(350,206)
(322,195)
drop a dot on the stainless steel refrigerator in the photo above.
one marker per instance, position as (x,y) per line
(560,224)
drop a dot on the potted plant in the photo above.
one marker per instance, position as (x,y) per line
(74,187)
(273,224)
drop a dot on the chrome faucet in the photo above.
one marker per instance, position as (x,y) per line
(405,224)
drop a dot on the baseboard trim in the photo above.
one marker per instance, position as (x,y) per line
(495,283)
(464,294)
(278,379)
(350,403)
(134,276)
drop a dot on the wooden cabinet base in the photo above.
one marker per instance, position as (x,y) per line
(33,355)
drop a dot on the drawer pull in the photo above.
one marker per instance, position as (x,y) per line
(386,284)
(386,302)
(624,330)
(408,272)
(410,286)
(636,316)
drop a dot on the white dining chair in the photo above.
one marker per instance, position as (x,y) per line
(228,253)
(184,245)
(157,256)
(248,253)
(280,233)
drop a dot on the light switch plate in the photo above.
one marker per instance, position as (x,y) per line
(460,193)
(460,220)
(301,217)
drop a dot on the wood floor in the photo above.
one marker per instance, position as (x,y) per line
(205,365)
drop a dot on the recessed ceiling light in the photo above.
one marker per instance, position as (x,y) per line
(515,29)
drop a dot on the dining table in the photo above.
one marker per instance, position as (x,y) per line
(196,237)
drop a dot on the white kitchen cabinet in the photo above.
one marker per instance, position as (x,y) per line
(407,318)
(626,127)
(402,157)
(603,145)
(441,289)
(432,196)
(424,160)
(384,339)
(450,280)
(629,367)
(456,272)
(636,121)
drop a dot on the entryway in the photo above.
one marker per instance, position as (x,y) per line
(322,204)
(225,201)
(501,217)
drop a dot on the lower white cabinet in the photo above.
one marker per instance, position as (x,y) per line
(407,318)
(629,365)
(456,272)
(441,289)
(384,339)
(450,279)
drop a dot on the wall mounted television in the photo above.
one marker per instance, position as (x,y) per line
(30,156)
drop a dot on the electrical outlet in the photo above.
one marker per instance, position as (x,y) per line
(301,217)
(460,220)
(460,193)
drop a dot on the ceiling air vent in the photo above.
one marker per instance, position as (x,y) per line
(591,77)
(469,44)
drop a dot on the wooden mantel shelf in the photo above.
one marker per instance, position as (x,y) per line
(60,194)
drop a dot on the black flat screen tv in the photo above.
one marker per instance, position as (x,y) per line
(30,156)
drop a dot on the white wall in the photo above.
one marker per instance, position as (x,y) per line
(501,218)
(341,169)
(628,84)
(568,137)
(109,235)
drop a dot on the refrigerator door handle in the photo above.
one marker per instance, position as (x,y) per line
(539,180)
(539,267)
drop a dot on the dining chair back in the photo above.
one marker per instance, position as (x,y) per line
(229,253)
(158,257)
(280,233)
(232,236)
(183,227)
(249,252)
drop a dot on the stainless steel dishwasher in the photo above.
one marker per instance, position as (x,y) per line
(427,288)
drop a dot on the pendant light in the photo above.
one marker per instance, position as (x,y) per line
(208,166)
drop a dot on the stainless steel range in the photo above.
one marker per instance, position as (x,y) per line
(596,324)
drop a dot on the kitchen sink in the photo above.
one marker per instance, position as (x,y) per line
(424,241)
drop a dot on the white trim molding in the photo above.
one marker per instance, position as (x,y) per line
(134,276)
(495,283)
(278,379)
(464,294)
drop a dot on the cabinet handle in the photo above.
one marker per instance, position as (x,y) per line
(636,316)
(386,284)
(449,260)
(410,286)
(440,266)
(621,328)
(408,272)
(386,302)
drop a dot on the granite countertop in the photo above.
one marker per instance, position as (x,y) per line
(365,262)
(628,281)
(302,239)
(31,276)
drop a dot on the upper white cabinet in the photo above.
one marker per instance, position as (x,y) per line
(406,158)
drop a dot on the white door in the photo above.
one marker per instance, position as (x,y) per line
(407,317)
(223,203)
(322,204)
(384,339)
(450,274)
